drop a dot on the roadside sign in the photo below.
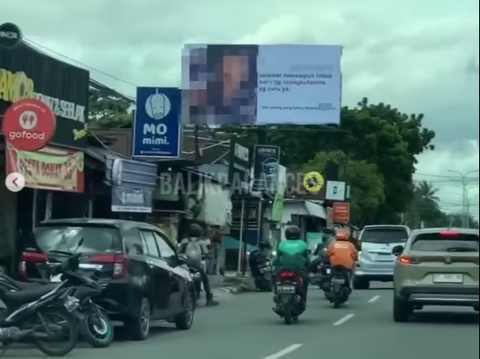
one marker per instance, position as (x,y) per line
(29,125)
(341,212)
(10,36)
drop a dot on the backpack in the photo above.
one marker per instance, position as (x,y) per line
(193,251)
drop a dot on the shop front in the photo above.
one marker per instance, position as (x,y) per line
(43,121)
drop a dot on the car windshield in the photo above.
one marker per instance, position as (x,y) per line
(433,242)
(384,235)
(66,239)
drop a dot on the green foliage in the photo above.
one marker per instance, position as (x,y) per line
(367,187)
(108,109)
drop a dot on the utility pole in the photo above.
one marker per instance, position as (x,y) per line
(465,201)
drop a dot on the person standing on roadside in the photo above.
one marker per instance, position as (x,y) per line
(195,248)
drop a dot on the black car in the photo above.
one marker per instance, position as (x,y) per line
(145,279)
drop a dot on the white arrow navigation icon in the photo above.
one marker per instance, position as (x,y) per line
(15,182)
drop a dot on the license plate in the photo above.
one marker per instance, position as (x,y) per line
(329,271)
(338,280)
(56,278)
(265,270)
(448,278)
(71,303)
(286,289)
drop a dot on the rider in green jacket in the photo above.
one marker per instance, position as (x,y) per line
(293,255)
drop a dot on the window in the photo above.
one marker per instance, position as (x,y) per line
(96,239)
(134,243)
(433,242)
(166,251)
(150,243)
(384,235)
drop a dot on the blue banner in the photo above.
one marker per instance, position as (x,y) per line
(157,128)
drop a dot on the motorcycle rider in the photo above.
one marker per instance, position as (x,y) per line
(259,255)
(195,249)
(293,255)
(343,253)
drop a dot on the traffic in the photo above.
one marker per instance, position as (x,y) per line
(78,296)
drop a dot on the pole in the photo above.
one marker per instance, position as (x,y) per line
(240,244)
(465,203)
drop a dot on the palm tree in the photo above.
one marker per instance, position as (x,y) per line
(427,193)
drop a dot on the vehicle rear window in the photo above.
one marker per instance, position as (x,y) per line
(384,235)
(433,242)
(95,239)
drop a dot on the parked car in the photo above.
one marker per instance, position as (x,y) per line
(376,261)
(145,279)
(436,267)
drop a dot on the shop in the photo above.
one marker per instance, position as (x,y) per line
(52,162)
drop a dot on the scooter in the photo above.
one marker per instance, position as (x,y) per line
(263,280)
(340,288)
(289,299)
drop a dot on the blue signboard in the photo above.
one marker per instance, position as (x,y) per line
(157,127)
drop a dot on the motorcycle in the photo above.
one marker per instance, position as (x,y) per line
(290,303)
(339,288)
(324,282)
(29,315)
(263,280)
(93,322)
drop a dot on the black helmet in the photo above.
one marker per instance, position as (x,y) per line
(195,231)
(293,232)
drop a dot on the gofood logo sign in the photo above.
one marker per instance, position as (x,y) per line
(29,125)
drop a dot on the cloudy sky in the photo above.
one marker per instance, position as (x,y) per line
(421,56)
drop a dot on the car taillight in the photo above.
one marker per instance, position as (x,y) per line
(408,260)
(119,261)
(449,234)
(30,257)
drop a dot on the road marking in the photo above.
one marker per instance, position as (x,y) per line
(343,320)
(374,299)
(284,352)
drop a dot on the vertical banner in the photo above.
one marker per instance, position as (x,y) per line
(157,128)
(277,208)
(341,212)
(265,168)
(261,84)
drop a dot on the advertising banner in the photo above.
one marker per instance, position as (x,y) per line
(125,199)
(64,90)
(277,208)
(50,168)
(265,168)
(157,128)
(261,84)
(239,167)
(341,212)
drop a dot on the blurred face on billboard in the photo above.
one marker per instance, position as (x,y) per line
(235,71)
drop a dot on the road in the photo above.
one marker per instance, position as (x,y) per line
(244,326)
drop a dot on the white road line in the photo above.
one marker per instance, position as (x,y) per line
(374,299)
(284,352)
(343,320)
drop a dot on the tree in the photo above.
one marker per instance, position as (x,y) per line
(366,183)
(423,208)
(108,108)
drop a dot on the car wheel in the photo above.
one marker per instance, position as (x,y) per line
(184,321)
(361,284)
(139,325)
(402,310)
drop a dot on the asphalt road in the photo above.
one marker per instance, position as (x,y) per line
(244,326)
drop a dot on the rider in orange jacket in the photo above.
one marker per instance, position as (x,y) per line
(342,252)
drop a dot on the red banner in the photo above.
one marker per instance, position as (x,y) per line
(341,212)
(50,168)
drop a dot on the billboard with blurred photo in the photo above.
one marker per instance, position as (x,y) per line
(261,84)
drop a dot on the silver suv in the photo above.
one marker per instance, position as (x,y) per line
(436,267)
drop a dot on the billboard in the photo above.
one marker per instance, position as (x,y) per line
(266,163)
(157,128)
(261,84)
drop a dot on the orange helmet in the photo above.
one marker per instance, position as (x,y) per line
(342,235)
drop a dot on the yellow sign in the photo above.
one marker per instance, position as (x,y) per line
(313,182)
(15,86)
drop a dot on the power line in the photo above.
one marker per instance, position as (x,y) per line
(440,176)
(30,42)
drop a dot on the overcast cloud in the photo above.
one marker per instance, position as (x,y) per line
(421,56)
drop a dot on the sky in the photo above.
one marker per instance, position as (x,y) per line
(419,56)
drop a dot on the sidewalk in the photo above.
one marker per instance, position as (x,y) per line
(231,283)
